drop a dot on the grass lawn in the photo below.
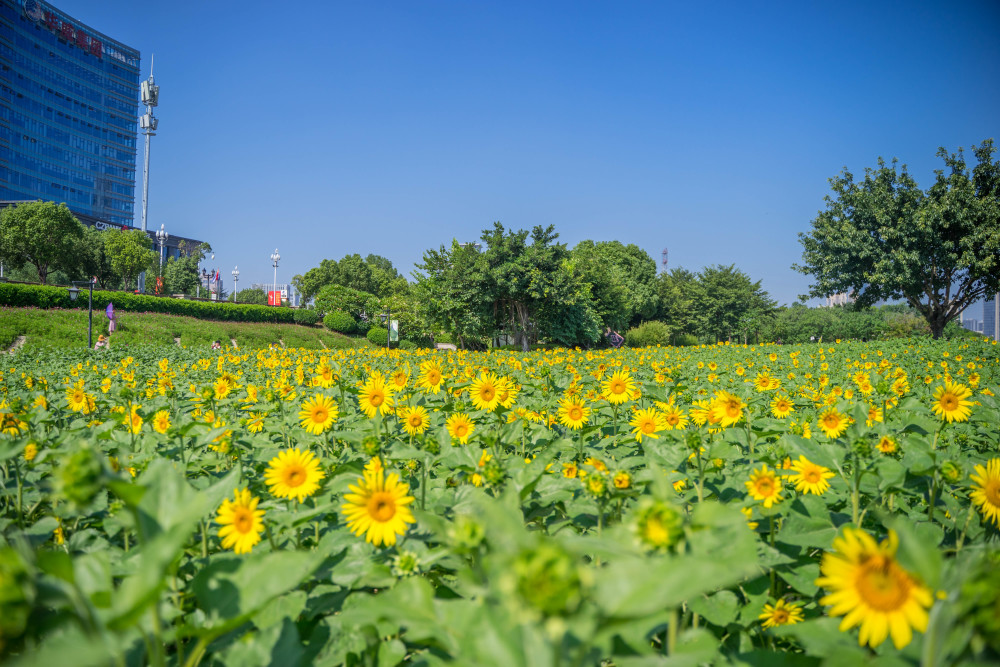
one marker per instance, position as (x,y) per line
(68,328)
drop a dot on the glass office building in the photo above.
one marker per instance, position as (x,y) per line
(70,106)
(991,317)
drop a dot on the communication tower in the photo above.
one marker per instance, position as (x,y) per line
(663,261)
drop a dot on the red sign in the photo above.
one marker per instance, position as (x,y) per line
(273,298)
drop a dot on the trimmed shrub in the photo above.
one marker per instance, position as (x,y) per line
(647,334)
(378,336)
(408,345)
(46,296)
(340,322)
(686,339)
(305,316)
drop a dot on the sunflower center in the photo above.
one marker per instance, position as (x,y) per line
(992,491)
(295,476)
(376,399)
(487,393)
(243,520)
(765,486)
(434,377)
(575,413)
(949,402)
(415,421)
(811,475)
(779,617)
(656,532)
(617,387)
(672,419)
(461,430)
(882,585)
(381,507)
(648,426)
(831,421)
(320,414)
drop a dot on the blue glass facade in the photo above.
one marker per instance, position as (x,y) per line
(69,117)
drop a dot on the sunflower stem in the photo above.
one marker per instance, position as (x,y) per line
(961,537)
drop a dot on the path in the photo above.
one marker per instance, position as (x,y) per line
(18,342)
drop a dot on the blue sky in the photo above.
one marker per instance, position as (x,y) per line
(328,128)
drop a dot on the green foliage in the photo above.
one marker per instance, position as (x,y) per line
(732,304)
(305,316)
(622,279)
(346,299)
(682,340)
(254,296)
(378,336)
(130,254)
(885,238)
(374,274)
(338,320)
(648,334)
(42,234)
(40,296)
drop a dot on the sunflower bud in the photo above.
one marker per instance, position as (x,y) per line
(466,534)
(80,476)
(951,471)
(405,564)
(371,446)
(658,525)
(549,580)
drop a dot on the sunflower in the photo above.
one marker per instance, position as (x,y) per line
(781,613)
(657,525)
(673,417)
(507,392)
(460,427)
(324,376)
(619,387)
(868,587)
(318,413)
(572,412)
(133,420)
(646,423)
(764,485)
(399,380)
(832,423)
(887,445)
(622,480)
(221,388)
(241,521)
(375,396)
(161,421)
(950,402)
(76,397)
(415,420)
(294,474)
(485,392)
(255,424)
(986,491)
(377,507)
(431,378)
(810,477)
(781,407)
(726,409)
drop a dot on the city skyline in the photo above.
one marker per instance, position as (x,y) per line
(343,128)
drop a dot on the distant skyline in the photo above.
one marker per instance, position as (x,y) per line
(330,128)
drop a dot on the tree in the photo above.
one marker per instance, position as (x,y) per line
(451,293)
(727,298)
(42,234)
(373,274)
(130,253)
(181,273)
(884,238)
(678,292)
(254,296)
(92,259)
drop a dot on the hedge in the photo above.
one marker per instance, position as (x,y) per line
(45,296)
(305,316)
(378,336)
(339,321)
(648,334)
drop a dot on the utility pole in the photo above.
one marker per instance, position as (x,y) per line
(150,97)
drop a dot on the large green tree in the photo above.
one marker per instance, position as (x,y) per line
(373,274)
(884,238)
(42,234)
(622,279)
(130,253)
(732,303)
(181,273)
(451,293)
(680,296)
(92,259)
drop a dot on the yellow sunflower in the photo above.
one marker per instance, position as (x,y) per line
(764,485)
(241,521)
(887,445)
(76,397)
(416,420)
(986,491)
(431,378)
(950,402)
(781,407)
(868,587)
(485,392)
(375,396)
(572,412)
(781,613)
(161,421)
(618,388)
(673,417)
(832,423)
(294,474)
(460,427)
(810,477)
(318,413)
(646,423)
(255,424)
(133,420)
(726,409)
(377,507)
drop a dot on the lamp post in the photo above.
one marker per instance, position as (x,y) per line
(275,258)
(387,318)
(236,280)
(74,292)
(161,238)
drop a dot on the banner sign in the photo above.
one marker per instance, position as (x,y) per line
(273,298)
(394,331)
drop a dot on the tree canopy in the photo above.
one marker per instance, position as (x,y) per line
(373,274)
(884,238)
(130,253)
(42,234)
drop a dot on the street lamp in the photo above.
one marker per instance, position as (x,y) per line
(161,238)
(236,280)
(387,318)
(275,258)
(203,278)
(74,292)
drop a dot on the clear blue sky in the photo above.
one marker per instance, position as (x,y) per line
(328,128)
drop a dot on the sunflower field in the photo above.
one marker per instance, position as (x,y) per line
(750,505)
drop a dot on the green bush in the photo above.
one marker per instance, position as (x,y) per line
(408,345)
(378,336)
(305,316)
(686,339)
(45,296)
(647,334)
(444,338)
(339,321)
(352,301)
